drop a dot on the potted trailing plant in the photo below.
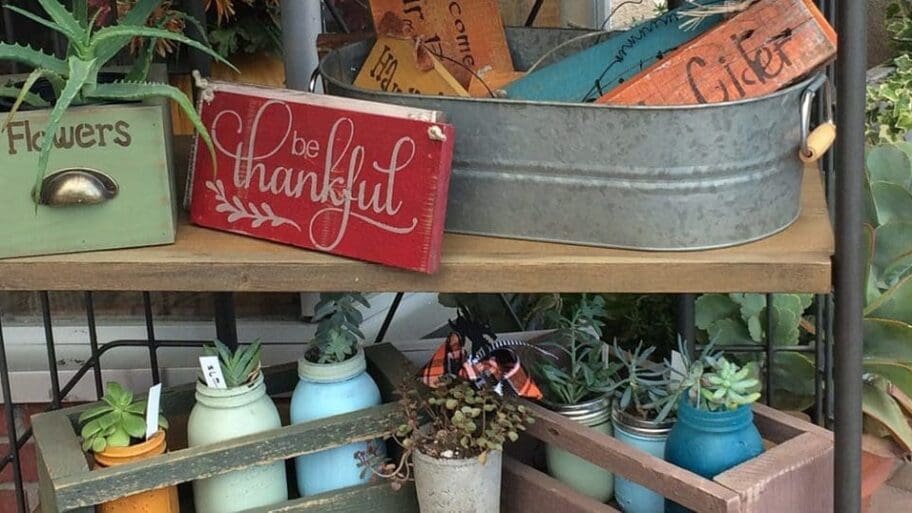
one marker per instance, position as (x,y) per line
(334,380)
(715,428)
(237,408)
(452,441)
(579,387)
(96,146)
(115,433)
(642,416)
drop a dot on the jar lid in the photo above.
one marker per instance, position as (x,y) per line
(332,372)
(589,413)
(638,426)
(231,397)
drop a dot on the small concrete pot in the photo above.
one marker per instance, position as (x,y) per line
(458,486)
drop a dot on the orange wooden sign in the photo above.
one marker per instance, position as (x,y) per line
(758,51)
(400,66)
(469,33)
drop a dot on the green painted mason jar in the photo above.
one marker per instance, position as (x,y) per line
(223,414)
(568,468)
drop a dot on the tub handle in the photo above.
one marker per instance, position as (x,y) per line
(77,186)
(314,76)
(814,144)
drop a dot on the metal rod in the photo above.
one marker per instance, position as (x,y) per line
(388,320)
(520,326)
(302,22)
(687,322)
(150,337)
(746,348)
(336,15)
(819,359)
(533,14)
(9,406)
(45,300)
(93,341)
(851,18)
(226,319)
(198,60)
(770,350)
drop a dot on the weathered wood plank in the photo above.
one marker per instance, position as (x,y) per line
(377,497)
(526,490)
(782,478)
(796,260)
(64,459)
(673,482)
(216,459)
(779,427)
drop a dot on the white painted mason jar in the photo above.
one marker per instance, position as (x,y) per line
(223,414)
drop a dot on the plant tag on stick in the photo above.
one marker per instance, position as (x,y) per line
(152,406)
(212,372)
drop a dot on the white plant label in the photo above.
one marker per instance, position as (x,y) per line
(153,404)
(212,372)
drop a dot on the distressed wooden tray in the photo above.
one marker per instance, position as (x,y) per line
(798,461)
(68,485)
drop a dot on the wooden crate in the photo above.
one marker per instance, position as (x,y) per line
(67,484)
(794,475)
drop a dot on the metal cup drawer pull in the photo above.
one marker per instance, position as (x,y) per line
(77,186)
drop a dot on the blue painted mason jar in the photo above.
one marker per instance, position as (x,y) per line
(326,390)
(710,442)
(649,437)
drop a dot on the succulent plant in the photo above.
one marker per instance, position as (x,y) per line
(75,79)
(117,422)
(648,391)
(726,387)
(338,332)
(453,421)
(588,372)
(239,367)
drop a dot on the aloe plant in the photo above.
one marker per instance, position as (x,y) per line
(239,367)
(338,332)
(117,422)
(75,79)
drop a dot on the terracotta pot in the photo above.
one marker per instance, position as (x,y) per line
(878,462)
(163,500)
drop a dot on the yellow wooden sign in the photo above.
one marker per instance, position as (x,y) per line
(484,84)
(398,66)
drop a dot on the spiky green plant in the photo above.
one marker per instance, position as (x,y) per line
(75,79)
(338,332)
(117,422)
(239,367)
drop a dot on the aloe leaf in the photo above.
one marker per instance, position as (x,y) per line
(887,339)
(880,406)
(138,15)
(897,373)
(118,32)
(33,77)
(145,90)
(79,74)
(32,58)
(73,36)
(61,15)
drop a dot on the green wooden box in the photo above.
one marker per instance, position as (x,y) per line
(68,485)
(130,143)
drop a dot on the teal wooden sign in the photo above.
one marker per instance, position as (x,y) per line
(587,75)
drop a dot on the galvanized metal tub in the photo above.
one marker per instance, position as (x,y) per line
(656,178)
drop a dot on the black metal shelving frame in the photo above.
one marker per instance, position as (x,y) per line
(837,349)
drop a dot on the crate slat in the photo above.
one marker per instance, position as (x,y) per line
(373,497)
(782,478)
(65,459)
(526,490)
(684,487)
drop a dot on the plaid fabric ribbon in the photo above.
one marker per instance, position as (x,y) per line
(486,363)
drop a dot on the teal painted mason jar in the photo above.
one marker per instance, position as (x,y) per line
(223,414)
(326,390)
(568,468)
(649,437)
(710,442)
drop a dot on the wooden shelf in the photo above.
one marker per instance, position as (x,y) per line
(796,260)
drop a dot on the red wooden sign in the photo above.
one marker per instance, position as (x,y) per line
(353,178)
